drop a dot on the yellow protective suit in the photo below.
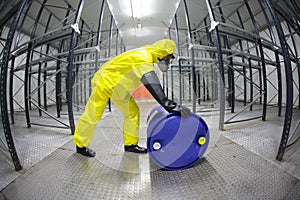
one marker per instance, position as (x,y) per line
(116,79)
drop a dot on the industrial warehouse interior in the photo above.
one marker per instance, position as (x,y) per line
(236,67)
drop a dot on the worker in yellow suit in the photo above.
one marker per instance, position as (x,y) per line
(116,79)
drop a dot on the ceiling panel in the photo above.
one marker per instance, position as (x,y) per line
(155,17)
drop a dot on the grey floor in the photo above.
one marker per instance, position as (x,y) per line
(239,164)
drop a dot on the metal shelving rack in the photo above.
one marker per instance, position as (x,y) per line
(54,65)
(228,47)
(224,60)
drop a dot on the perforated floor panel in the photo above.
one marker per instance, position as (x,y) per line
(232,169)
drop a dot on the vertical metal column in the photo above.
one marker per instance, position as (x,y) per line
(166,81)
(58,76)
(251,82)
(27,75)
(44,79)
(180,81)
(11,88)
(177,35)
(26,88)
(289,82)
(11,83)
(297,60)
(78,74)
(117,40)
(40,64)
(244,67)
(264,73)
(279,80)
(109,50)
(199,87)
(70,78)
(86,69)
(221,67)
(110,36)
(261,53)
(90,71)
(172,83)
(213,77)
(231,82)
(39,88)
(179,54)
(191,49)
(166,74)
(3,88)
(98,40)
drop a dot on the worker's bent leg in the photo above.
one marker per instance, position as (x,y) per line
(87,122)
(131,113)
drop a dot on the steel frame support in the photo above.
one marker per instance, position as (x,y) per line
(253,58)
(11,87)
(165,75)
(70,71)
(109,50)
(180,81)
(98,38)
(297,61)
(11,102)
(220,65)
(263,63)
(41,69)
(191,50)
(27,75)
(244,67)
(58,76)
(177,35)
(213,83)
(279,80)
(251,82)
(289,82)
(3,88)
(230,71)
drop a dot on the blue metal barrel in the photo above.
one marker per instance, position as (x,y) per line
(174,142)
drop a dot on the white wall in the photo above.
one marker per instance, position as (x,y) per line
(18,89)
(272,76)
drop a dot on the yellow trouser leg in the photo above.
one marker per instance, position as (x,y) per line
(131,122)
(87,122)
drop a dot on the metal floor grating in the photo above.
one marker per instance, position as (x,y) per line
(239,164)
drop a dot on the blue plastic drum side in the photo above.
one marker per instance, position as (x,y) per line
(177,138)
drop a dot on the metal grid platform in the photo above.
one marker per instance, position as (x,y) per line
(238,165)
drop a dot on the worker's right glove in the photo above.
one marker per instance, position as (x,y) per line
(151,82)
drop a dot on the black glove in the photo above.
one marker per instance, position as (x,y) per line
(183,110)
(151,82)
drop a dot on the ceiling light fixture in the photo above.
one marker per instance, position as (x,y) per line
(139,25)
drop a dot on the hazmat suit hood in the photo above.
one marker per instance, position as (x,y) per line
(160,49)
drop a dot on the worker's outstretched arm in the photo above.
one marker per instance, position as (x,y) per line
(151,82)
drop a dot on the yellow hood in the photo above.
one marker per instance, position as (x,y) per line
(161,48)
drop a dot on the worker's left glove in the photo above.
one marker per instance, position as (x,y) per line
(183,110)
(151,82)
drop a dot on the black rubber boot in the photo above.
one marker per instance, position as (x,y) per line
(135,149)
(85,151)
